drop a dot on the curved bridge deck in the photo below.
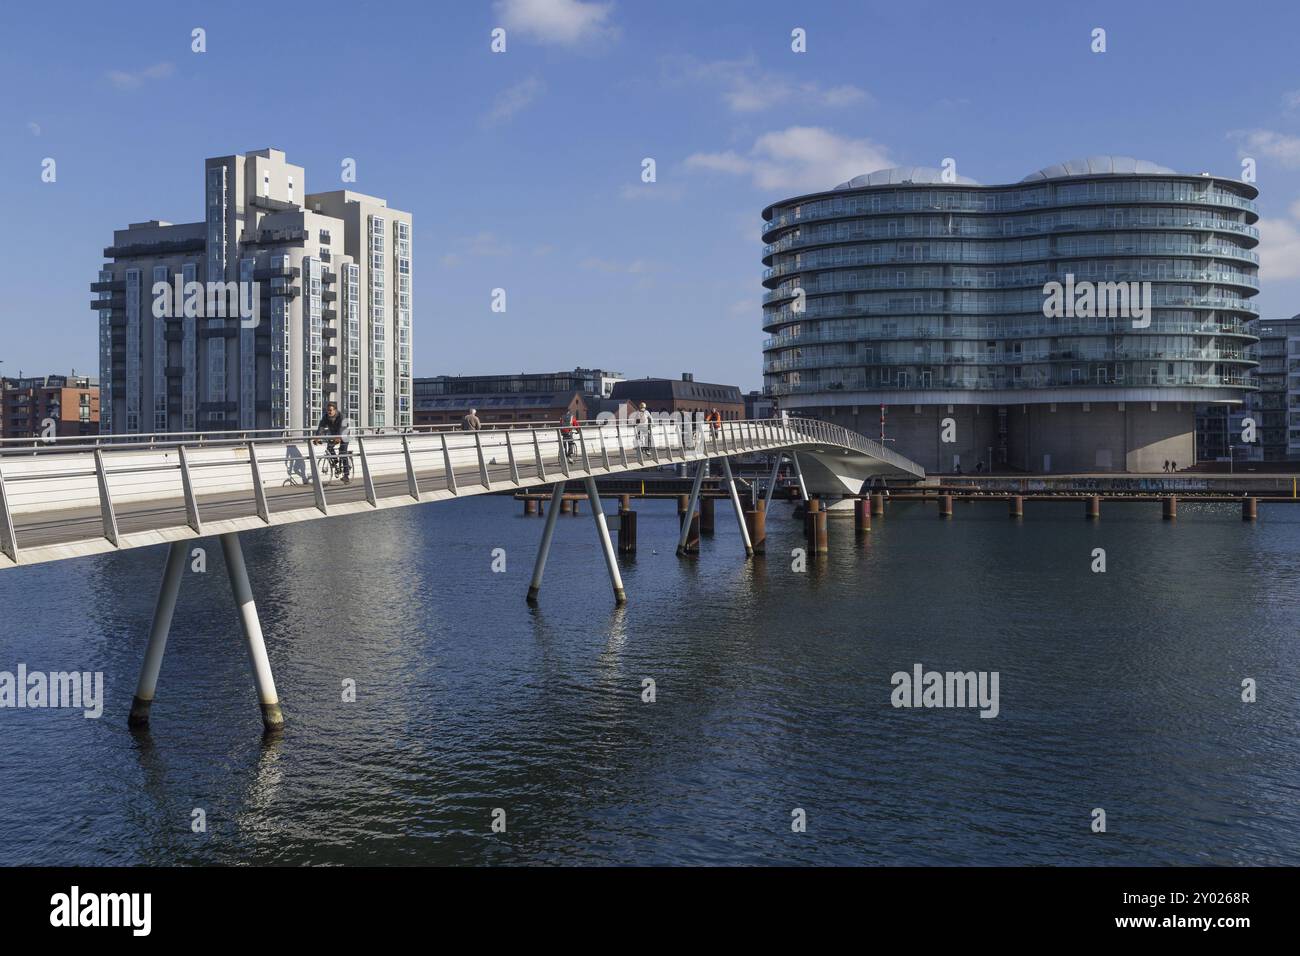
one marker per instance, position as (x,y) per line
(67,498)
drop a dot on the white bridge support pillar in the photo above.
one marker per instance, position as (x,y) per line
(539,568)
(771,482)
(691,505)
(272,717)
(602,530)
(162,622)
(798,473)
(735,504)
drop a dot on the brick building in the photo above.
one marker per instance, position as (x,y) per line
(70,402)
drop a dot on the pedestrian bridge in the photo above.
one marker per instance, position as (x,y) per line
(65,498)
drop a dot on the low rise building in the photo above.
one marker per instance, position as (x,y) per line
(499,408)
(49,405)
(683,395)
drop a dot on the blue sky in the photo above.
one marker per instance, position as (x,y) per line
(523,169)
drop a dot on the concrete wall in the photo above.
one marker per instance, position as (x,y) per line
(917,431)
(1105,437)
(1100,437)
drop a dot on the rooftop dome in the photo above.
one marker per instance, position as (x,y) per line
(898,175)
(1101,166)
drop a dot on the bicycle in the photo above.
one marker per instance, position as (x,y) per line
(330,465)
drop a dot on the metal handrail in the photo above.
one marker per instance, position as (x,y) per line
(657,442)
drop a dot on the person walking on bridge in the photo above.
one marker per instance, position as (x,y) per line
(470,422)
(334,424)
(570,423)
(714,418)
(641,420)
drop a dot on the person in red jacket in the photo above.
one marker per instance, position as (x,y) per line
(567,432)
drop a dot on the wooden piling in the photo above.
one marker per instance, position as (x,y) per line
(627,531)
(861,515)
(706,514)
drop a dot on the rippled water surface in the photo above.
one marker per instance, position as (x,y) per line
(1119,691)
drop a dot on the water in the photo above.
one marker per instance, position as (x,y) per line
(1118,690)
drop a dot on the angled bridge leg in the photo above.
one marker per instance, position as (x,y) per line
(272,717)
(162,622)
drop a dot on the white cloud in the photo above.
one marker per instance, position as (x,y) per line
(1291,101)
(1266,142)
(798,159)
(513,99)
(481,245)
(745,88)
(1279,246)
(565,22)
(34,128)
(133,81)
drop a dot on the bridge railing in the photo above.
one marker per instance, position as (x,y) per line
(103,480)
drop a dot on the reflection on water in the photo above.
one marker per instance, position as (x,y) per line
(1119,690)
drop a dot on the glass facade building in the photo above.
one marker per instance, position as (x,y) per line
(906,299)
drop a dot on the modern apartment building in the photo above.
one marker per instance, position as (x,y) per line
(918,302)
(1275,408)
(49,405)
(301,299)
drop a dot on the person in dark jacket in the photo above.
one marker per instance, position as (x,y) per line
(340,429)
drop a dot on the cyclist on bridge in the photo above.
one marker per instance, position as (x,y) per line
(334,424)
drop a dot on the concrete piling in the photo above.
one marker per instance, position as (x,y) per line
(945,506)
(566,506)
(530,506)
(1092,507)
(1249,509)
(1170,508)
(877,505)
(1017,509)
